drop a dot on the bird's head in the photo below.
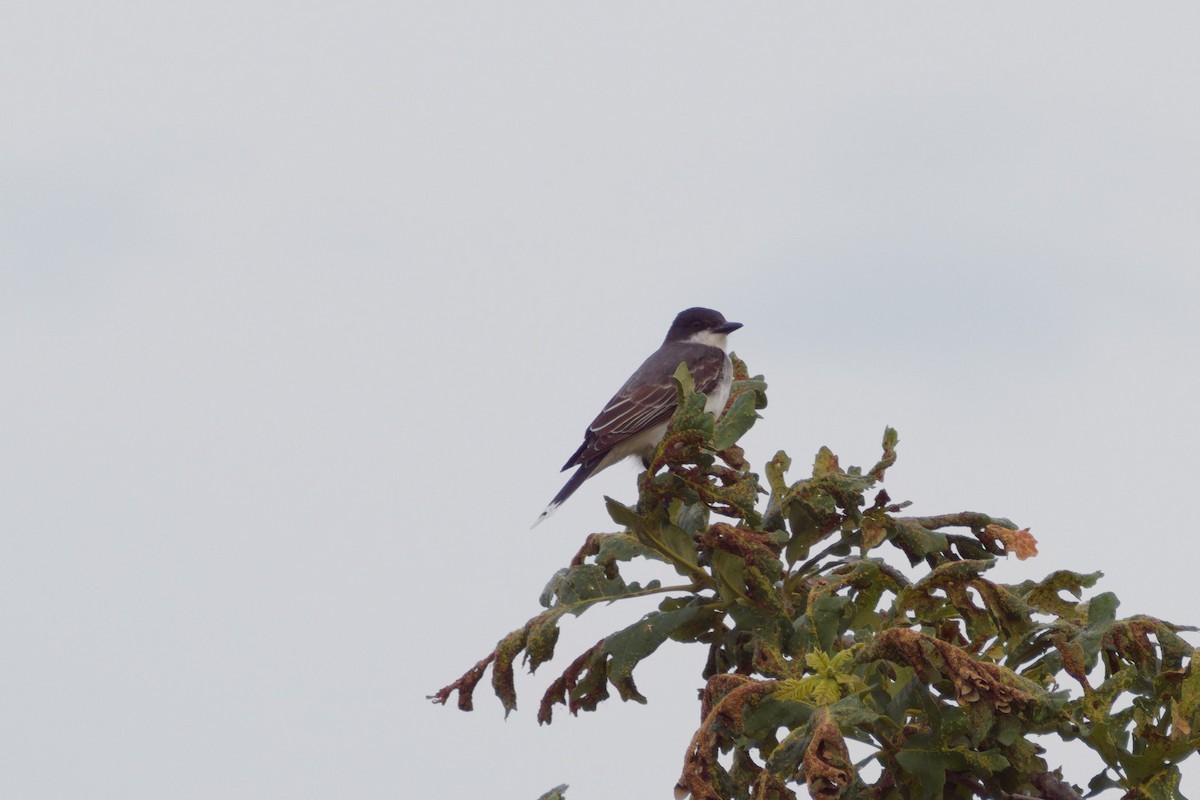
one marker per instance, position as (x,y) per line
(701,326)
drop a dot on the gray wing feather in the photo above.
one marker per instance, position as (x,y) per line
(648,398)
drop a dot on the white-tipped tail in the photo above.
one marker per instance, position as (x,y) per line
(550,509)
(579,477)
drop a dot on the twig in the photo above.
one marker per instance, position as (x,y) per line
(965,519)
(1053,787)
(691,587)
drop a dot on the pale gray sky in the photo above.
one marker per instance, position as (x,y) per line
(279,281)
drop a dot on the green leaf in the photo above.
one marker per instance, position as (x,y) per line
(614,547)
(691,517)
(909,694)
(755,385)
(986,762)
(502,669)
(825,690)
(730,571)
(689,412)
(683,377)
(818,661)
(797,690)
(852,713)
(830,615)
(1008,729)
(773,712)
(812,514)
(874,527)
(591,687)
(918,542)
(786,757)
(542,636)
(621,514)
(1189,692)
(890,440)
(844,659)
(680,544)
(585,583)
(629,646)
(825,463)
(929,768)
(1102,610)
(1164,785)
(737,420)
(1045,594)
(1100,782)
(775,470)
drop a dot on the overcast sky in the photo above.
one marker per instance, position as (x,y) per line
(305,304)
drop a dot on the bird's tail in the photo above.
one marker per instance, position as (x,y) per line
(582,474)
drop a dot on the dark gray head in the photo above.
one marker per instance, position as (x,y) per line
(701,325)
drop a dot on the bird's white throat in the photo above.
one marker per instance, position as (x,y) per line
(710,338)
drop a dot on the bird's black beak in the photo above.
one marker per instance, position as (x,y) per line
(727,327)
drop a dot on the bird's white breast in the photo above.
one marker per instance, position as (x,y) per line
(719,396)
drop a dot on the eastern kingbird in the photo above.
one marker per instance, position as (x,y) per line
(635,419)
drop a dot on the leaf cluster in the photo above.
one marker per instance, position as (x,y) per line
(813,636)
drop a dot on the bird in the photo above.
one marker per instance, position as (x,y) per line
(635,420)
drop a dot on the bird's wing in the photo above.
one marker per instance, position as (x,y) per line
(648,398)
